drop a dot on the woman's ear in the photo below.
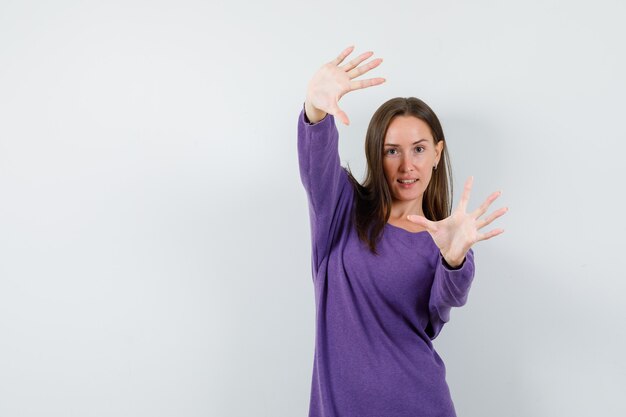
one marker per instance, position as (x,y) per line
(438,149)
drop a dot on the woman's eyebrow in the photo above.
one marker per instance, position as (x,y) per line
(414,143)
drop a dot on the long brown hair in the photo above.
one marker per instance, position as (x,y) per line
(372,203)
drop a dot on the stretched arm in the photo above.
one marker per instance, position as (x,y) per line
(454,236)
(328,189)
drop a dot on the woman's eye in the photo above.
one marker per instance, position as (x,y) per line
(391,151)
(419,149)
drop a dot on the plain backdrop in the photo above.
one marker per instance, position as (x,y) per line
(154,233)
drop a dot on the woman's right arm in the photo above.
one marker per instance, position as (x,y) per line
(325,181)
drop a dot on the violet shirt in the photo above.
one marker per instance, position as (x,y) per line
(376,315)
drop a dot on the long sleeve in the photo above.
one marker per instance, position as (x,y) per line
(450,289)
(326,183)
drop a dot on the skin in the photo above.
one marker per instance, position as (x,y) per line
(454,235)
(409,153)
(332,81)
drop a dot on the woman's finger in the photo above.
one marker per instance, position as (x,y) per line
(343,117)
(489,235)
(422,221)
(485,206)
(494,215)
(342,55)
(356,61)
(358,84)
(364,68)
(466,194)
(339,114)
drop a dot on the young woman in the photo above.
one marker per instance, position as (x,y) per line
(390,258)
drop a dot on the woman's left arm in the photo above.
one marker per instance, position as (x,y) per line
(450,288)
(455,236)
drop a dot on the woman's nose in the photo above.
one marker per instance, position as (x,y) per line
(406,165)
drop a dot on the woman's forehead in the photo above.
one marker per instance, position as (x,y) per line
(407,130)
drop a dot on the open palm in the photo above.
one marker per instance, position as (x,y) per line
(456,234)
(332,81)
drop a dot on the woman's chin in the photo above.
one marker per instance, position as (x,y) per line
(407,197)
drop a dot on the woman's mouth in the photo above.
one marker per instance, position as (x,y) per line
(406,184)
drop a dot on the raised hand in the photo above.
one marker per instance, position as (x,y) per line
(332,81)
(455,234)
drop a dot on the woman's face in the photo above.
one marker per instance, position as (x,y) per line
(409,155)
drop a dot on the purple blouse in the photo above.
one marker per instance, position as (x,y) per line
(376,315)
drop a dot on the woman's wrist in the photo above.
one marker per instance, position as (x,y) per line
(313,114)
(453,263)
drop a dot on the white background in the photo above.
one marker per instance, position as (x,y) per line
(154,234)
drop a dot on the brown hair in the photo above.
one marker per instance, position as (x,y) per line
(372,203)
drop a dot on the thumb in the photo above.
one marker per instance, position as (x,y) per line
(421,221)
(342,116)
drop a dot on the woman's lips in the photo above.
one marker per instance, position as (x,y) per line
(407,183)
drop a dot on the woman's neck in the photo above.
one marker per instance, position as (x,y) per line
(401,209)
